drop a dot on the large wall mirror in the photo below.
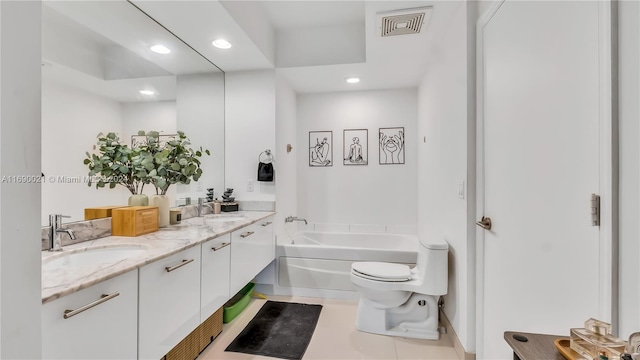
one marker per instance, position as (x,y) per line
(100,75)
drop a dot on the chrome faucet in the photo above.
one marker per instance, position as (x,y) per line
(202,205)
(289,219)
(55,222)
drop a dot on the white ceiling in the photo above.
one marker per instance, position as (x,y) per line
(103,48)
(309,14)
(392,62)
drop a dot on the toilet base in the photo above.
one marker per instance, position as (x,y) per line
(417,318)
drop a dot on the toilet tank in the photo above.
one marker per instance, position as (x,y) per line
(432,264)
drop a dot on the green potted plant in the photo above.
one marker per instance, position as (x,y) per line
(165,164)
(114,163)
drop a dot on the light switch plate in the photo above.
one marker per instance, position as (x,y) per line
(461,190)
(250,185)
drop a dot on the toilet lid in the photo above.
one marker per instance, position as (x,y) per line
(382,271)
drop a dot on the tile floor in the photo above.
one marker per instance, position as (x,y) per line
(335,337)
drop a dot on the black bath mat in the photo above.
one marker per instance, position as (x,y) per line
(279,329)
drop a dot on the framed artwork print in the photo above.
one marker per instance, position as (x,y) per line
(141,139)
(355,147)
(391,145)
(320,148)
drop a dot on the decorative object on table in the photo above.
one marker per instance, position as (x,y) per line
(163,205)
(228,204)
(210,195)
(165,163)
(100,212)
(320,148)
(265,166)
(134,220)
(217,208)
(355,147)
(391,145)
(564,347)
(114,164)
(289,326)
(175,216)
(226,196)
(633,346)
(595,341)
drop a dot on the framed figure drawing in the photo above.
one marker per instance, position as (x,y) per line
(391,145)
(320,148)
(137,140)
(355,147)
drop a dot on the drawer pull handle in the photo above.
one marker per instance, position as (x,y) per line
(103,298)
(223,245)
(248,233)
(145,213)
(183,263)
(267,223)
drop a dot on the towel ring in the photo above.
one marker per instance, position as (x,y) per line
(269,158)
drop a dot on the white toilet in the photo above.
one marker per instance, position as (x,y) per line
(401,301)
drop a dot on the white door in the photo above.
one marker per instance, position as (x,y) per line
(539,143)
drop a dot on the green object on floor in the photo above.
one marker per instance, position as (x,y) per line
(237,303)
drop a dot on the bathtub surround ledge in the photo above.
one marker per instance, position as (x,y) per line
(358,228)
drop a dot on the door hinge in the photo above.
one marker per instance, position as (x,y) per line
(595,210)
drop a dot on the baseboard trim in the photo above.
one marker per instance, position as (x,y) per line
(457,345)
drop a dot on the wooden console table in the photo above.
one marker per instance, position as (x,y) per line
(538,346)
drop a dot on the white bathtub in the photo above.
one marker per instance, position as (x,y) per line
(319,264)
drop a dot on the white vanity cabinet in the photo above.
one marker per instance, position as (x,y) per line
(252,249)
(169,302)
(98,322)
(214,289)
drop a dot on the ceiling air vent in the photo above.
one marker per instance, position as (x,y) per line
(403,22)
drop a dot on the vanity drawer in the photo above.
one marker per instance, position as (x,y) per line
(134,220)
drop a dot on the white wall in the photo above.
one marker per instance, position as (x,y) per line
(629,184)
(20,277)
(71,120)
(443,117)
(159,116)
(200,114)
(250,125)
(371,194)
(286,166)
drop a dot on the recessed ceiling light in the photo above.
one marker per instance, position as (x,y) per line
(160,49)
(221,44)
(147,92)
(353,80)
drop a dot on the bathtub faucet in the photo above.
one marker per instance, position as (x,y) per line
(289,219)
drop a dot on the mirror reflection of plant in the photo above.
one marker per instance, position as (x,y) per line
(113,164)
(173,162)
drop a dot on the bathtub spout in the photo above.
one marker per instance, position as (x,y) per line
(289,219)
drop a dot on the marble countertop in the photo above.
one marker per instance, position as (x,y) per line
(59,281)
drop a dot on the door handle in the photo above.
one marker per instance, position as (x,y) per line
(484,223)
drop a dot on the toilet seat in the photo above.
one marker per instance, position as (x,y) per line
(380,271)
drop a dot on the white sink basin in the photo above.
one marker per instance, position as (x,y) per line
(89,257)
